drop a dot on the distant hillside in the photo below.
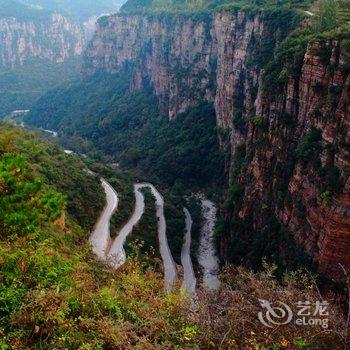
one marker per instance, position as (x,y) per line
(21,87)
(39,49)
(30,65)
(21,11)
(40,45)
(80,9)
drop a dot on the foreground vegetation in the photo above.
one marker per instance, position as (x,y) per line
(40,165)
(54,294)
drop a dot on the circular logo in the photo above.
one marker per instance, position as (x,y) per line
(277,315)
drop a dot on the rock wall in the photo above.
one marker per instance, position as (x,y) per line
(174,54)
(55,39)
(220,58)
(315,204)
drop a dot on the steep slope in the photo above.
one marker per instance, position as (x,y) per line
(39,49)
(294,164)
(29,33)
(21,87)
(262,104)
(280,87)
(127,127)
(65,174)
(55,294)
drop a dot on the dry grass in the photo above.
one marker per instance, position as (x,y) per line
(230,317)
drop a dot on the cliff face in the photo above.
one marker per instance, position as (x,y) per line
(56,39)
(304,180)
(295,140)
(175,56)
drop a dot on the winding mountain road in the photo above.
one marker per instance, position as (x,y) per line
(189,282)
(168,261)
(116,255)
(51,132)
(207,253)
(100,236)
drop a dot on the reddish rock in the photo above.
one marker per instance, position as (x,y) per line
(212,59)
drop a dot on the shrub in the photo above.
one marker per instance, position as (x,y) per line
(231,315)
(238,121)
(327,15)
(309,145)
(283,75)
(47,163)
(318,87)
(326,197)
(257,120)
(336,89)
(324,52)
(24,202)
(331,178)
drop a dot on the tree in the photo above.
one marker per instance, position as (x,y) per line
(24,203)
(327,15)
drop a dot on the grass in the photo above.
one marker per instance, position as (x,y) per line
(55,294)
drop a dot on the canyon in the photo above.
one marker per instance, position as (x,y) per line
(175,175)
(55,39)
(50,30)
(41,44)
(213,57)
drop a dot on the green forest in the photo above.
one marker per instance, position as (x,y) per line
(54,294)
(127,126)
(99,116)
(22,86)
(177,6)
